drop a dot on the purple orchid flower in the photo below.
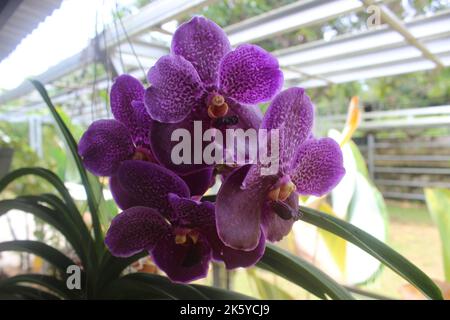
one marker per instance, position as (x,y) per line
(109,142)
(203,79)
(179,233)
(250,204)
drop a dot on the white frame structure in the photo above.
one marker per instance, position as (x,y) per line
(395,47)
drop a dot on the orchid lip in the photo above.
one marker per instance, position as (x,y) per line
(282,190)
(142,154)
(217,107)
(185,236)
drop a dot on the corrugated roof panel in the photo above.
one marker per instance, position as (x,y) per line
(18,18)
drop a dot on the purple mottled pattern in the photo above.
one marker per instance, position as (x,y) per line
(150,184)
(104,145)
(127,106)
(314,166)
(175,91)
(318,167)
(203,43)
(162,145)
(182,263)
(134,230)
(199,181)
(292,113)
(250,75)
(189,213)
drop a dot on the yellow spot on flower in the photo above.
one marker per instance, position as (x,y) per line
(180,238)
(282,192)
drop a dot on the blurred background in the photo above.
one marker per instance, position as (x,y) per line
(377,72)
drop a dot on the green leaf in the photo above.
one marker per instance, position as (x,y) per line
(267,290)
(336,245)
(48,176)
(374,247)
(124,288)
(91,193)
(359,159)
(175,290)
(438,202)
(112,266)
(28,204)
(78,236)
(367,211)
(302,273)
(50,254)
(13,292)
(220,294)
(51,283)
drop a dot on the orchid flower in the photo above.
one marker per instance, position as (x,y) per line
(203,79)
(250,204)
(109,142)
(179,233)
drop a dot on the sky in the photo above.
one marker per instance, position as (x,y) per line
(63,34)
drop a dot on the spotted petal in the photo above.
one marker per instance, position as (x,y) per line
(203,43)
(250,75)
(182,262)
(292,113)
(127,106)
(104,146)
(235,258)
(318,167)
(150,184)
(191,214)
(200,181)
(134,230)
(175,89)
(238,210)
(162,145)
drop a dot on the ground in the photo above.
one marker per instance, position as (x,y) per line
(411,233)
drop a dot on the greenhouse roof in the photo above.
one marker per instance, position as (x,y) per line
(18,18)
(392,48)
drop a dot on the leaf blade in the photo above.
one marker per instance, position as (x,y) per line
(374,247)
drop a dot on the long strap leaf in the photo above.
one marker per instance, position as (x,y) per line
(51,283)
(177,291)
(50,254)
(46,214)
(374,247)
(302,273)
(16,291)
(72,144)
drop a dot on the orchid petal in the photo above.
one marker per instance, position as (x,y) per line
(292,113)
(182,262)
(250,75)
(104,146)
(203,43)
(150,184)
(238,210)
(134,230)
(318,167)
(175,91)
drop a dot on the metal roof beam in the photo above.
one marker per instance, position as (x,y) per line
(395,23)
(150,16)
(288,18)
